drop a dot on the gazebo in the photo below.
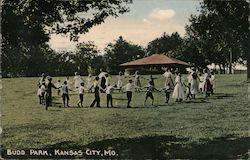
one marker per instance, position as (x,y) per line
(155,62)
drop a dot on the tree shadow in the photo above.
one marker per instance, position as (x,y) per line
(222,95)
(157,147)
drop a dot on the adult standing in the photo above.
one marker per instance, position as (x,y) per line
(194,83)
(178,93)
(102,76)
(168,78)
(207,85)
(77,79)
(49,87)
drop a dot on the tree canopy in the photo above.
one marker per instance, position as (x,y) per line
(28,24)
(221,31)
(120,52)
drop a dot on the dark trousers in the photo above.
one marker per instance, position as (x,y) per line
(96,100)
(49,98)
(109,99)
(167,96)
(129,96)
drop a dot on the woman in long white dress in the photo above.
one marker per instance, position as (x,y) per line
(178,93)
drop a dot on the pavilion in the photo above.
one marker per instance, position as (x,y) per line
(156,62)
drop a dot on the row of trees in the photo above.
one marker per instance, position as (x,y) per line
(219,34)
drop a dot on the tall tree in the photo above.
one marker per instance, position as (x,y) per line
(168,44)
(86,52)
(120,52)
(222,30)
(29,23)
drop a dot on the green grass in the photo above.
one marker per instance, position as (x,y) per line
(216,127)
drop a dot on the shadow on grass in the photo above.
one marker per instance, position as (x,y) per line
(222,95)
(156,147)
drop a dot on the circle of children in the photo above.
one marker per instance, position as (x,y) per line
(198,82)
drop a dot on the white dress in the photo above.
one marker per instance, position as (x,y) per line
(77,80)
(89,83)
(178,89)
(194,84)
(119,82)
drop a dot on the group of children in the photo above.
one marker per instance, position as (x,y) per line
(177,86)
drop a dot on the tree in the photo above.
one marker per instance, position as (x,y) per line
(27,24)
(221,30)
(168,44)
(120,52)
(84,55)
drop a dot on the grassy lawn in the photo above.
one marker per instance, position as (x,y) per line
(216,127)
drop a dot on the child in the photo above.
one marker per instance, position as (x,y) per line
(137,81)
(97,89)
(212,80)
(109,91)
(39,94)
(201,83)
(65,94)
(128,87)
(81,93)
(58,85)
(42,92)
(152,79)
(189,95)
(149,93)
(68,82)
(167,91)
(89,83)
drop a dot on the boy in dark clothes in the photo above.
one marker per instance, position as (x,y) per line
(97,89)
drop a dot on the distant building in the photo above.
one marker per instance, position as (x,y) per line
(155,63)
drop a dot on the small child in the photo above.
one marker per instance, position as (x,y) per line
(167,91)
(58,85)
(65,94)
(212,81)
(39,94)
(81,93)
(109,91)
(42,92)
(189,95)
(149,93)
(129,87)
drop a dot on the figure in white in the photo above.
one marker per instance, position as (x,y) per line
(77,79)
(178,93)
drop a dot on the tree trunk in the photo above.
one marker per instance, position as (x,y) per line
(248,67)
(220,69)
(230,61)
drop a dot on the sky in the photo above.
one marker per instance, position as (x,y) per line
(147,20)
